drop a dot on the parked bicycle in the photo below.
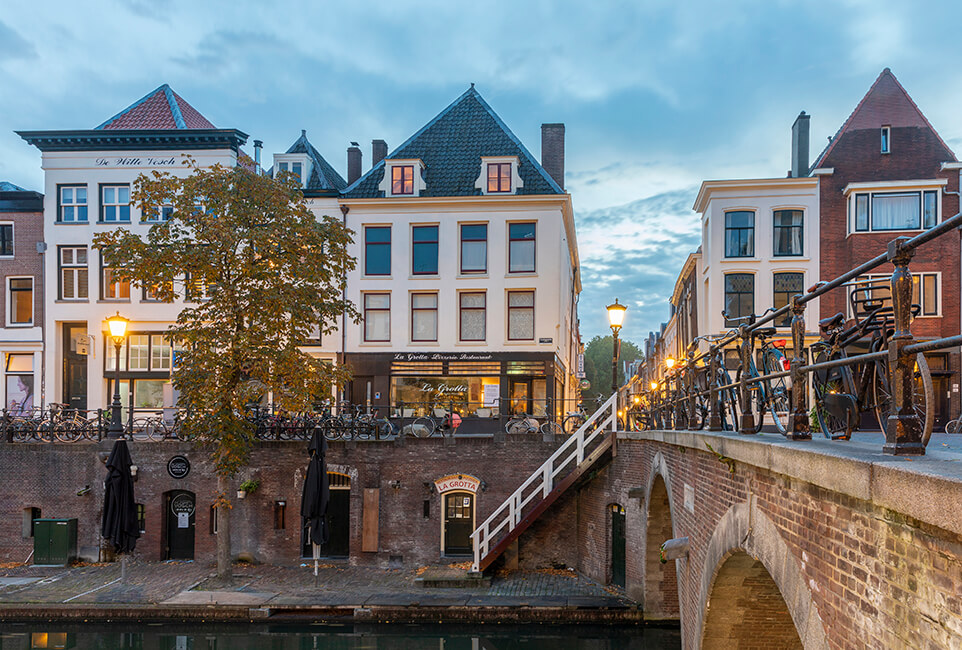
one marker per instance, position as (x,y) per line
(522,424)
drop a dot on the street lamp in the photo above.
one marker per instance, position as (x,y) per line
(616,316)
(669,363)
(118,331)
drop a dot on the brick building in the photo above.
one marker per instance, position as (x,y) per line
(887,173)
(21,267)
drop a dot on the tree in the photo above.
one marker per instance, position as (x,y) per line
(262,273)
(598,365)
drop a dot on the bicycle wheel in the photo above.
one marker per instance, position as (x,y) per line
(836,420)
(423,427)
(552,428)
(67,431)
(572,423)
(728,409)
(924,396)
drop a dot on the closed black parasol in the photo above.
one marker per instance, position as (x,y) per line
(316,496)
(120,525)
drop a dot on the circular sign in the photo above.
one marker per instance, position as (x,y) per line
(585,384)
(182,504)
(178,466)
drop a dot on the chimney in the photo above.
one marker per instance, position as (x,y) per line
(353,163)
(800,160)
(378,151)
(258,145)
(553,151)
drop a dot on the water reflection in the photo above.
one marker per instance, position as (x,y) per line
(336,637)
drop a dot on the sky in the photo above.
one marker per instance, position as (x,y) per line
(656,96)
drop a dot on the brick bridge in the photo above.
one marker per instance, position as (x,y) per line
(814,544)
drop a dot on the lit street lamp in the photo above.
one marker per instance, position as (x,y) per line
(616,316)
(669,363)
(118,332)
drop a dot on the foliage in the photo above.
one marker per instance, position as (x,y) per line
(250,485)
(273,272)
(598,364)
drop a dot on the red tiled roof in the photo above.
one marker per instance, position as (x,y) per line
(160,109)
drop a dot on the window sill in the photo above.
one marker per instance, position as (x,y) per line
(737,260)
(424,276)
(520,342)
(113,223)
(71,301)
(72,223)
(521,274)
(114,301)
(427,344)
(377,277)
(472,275)
(20,325)
(375,344)
(790,258)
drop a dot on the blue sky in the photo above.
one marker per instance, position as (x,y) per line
(656,96)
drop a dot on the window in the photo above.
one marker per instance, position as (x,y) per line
(20,309)
(886,137)
(196,288)
(521,239)
(213,520)
(113,288)
(740,234)
(73,203)
(280,515)
(138,351)
(163,213)
(160,352)
(141,517)
(499,177)
(473,316)
(424,317)
(474,248)
(925,292)
(6,239)
(154,292)
(739,297)
(73,273)
(19,372)
(520,315)
(377,250)
(377,317)
(785,286)
(887,211)
(424,252)
(114,203)
(402,179)
(141,352)
(298,170)
(788,232)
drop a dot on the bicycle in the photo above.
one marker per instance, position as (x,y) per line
(522,424)
(843,393)
(426,426)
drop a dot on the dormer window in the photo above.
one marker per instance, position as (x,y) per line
(403,178)
(499,175)
(886,135)
(297,164)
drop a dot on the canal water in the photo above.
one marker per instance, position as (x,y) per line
(335,637)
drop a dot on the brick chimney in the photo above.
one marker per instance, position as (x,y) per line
(353,163)
(800,134)
(378,151)
(553,151)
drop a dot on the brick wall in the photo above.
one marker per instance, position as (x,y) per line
(27,231)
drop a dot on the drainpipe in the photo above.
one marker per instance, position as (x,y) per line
(344,210)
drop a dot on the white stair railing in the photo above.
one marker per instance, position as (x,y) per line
(539,485)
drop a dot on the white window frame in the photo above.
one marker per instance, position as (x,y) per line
(286,161)
(364,310)
(33,304)
(13,241)
(387,186)
(104,284)
(157,216)
(885,137)
(116,204)
(853,190)
(507,312)
(74,204)
(75,268)
(416,310)
(482,182)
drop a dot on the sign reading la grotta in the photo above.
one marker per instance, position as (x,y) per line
(463,482)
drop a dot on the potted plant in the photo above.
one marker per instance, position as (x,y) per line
(247,487)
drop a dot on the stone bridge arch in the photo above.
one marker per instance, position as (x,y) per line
(750,571)
(661,588)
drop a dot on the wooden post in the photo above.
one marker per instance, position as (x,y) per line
(903,431)
(799,427)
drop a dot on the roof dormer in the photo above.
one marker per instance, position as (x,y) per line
(403,177)
(298,164)
(499,175)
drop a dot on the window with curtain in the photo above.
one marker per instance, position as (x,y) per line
(520,315)
(474,248)
(786,285)
(521,252)
(377,317)
(424,317)
(739,297)
(740,234)
(472,316)
(789,226)
(896,211)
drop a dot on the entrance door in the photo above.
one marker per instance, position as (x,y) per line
(528,395)
(458,523)
(617,545)
(338,520)
(74,367)
(362,391)
(179,506)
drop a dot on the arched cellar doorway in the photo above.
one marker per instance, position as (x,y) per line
(661,582)
(746,609)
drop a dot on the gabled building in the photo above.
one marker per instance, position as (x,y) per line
(886,173)
(87,183)
(468,271)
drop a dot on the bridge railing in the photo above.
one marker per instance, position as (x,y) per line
(905,431)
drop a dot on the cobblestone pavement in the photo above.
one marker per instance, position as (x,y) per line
(156,582)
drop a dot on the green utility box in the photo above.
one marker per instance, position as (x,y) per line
(54,541)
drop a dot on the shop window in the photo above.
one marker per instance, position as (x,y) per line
(473,316)
(73,273)
(520,315)
(785,286)
(145,352)
(420,395)
(20,309)
(115,203)
(424,250)
(377,317)
(19,388)
(377,250)
(72,200)
(521,247)
(474,248)
(424,317)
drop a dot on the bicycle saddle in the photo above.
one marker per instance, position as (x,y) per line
(765,332)
(833,322)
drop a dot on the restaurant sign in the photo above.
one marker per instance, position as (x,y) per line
(462,482)
(443,356)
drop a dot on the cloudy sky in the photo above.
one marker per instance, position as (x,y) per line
(656,96)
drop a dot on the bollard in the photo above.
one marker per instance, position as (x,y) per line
(747,425)
(903,431)
(799,427)
(714,416)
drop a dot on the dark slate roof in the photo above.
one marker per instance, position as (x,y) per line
(161,108)
(451,146)
(324,178)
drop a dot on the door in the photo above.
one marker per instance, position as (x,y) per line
(179,506)
(458,523)
(74,366)
(617,545)
(362,391)
(338,520)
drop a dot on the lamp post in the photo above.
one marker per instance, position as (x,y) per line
(616,316)
(118,332)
